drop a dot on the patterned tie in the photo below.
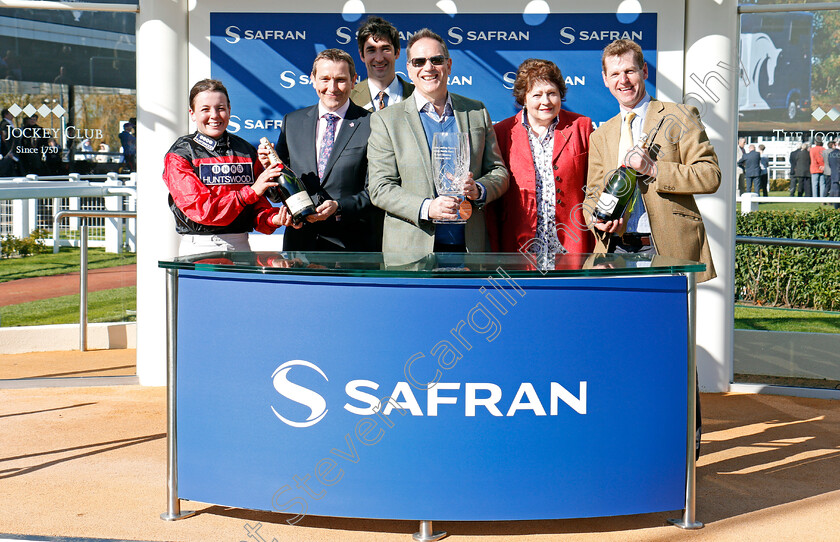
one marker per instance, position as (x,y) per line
(327,143)
(625,143)
(382,97)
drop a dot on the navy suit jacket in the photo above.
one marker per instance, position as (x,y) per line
(751,162)
(358,226)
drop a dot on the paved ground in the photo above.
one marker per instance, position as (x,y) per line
(91,462)
(34,289)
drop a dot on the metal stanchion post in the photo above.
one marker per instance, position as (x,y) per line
(426,533)
(173,503)
(83,266)
(688,521)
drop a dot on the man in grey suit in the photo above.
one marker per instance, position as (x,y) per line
(379,49)
(399,158)
(326,146)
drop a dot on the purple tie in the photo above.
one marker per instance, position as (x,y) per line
(327,143)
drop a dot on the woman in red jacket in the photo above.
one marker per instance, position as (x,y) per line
(546,150)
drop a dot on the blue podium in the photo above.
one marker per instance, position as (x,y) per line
(438,387)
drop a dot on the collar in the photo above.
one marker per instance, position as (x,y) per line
(209,143)
(394,89)
(527,125)
(421,102)
(640,109)
(341,112)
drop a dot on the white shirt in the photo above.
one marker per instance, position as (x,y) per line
(341,112)
(638,220)
(393,93)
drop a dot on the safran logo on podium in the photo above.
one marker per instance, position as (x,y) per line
(315,402)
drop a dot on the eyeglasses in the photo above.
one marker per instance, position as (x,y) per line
(420,61)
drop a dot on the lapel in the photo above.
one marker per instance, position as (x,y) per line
(415,126)
(361,95)
(612,133)
(348,127)
(654,113)
(407,88)
(307,133)
(561,136)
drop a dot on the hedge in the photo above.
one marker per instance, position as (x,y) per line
(788,276)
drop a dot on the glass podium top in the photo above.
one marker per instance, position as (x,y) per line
(436,265)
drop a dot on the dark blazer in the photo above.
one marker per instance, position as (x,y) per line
(360,95)
(802,164)
(358,225)
(834,164)
(751,162)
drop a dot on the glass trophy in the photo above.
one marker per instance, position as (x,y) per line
(451,163)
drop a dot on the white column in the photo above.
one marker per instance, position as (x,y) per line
(162,90)
(711,83)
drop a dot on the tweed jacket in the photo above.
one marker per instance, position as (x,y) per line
(687,165)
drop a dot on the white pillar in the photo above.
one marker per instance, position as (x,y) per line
(711,83)
(162,90)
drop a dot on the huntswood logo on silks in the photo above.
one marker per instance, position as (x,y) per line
(304,396)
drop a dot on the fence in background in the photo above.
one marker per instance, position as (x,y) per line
(32,202)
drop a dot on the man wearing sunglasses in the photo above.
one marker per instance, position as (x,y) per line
(401,180)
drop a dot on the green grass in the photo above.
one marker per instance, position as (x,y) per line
(66,261)
(783,206)
(776,319)
(103,306)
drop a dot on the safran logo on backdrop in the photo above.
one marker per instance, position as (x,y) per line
(235,34)
(456,35)
(315,402)
(568,35)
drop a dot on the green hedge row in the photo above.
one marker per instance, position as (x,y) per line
(787,276)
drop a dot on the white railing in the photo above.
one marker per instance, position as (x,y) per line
(750,200)
(74,192)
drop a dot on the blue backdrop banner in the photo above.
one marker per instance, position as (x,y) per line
(265,59)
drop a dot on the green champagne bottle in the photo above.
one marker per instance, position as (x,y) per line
(621,188)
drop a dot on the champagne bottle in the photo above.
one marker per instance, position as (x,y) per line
(290,190)
(621,188)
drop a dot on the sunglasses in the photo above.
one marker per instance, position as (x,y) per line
(420,61)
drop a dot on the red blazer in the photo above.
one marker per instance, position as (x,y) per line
(512,219)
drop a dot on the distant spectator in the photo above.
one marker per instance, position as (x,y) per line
(129,144)
(765,171)
(29,148)
(6,122)
(826,166)
(739,152)
(817,167)
(103,158)
(53,162)
(751,162)
(800,172)
(834,164)
(87,150)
